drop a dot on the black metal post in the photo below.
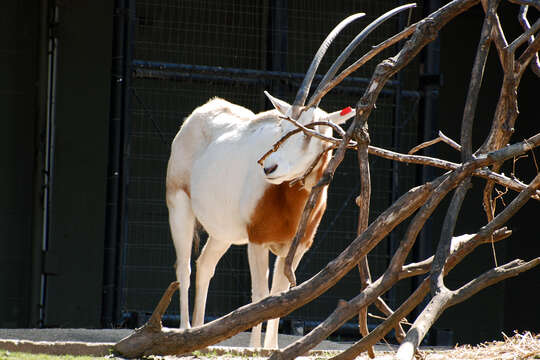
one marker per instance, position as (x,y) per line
(116,177)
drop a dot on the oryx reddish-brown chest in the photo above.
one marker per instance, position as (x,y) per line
(278,212)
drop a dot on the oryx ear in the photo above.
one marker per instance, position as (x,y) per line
(339,117)
(279,105)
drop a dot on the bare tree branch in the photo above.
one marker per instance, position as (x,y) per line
(491,277)
(522,17)
(513,184)
(447,233)
(535,3)
(440,138)
(461,247)
(527,36)
(310,204)
(363,201)
(477,75)
(444,297)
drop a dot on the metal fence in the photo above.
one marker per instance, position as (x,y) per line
(185,52)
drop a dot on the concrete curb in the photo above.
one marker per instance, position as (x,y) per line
(104,349)
(57,347)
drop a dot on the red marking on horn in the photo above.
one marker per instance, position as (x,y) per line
(345,111)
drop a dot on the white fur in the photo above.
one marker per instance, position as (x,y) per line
(213,176)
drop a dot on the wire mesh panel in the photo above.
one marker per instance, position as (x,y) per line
(186,52)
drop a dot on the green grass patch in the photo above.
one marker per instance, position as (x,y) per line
(8,355)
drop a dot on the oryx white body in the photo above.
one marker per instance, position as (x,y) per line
(213,176)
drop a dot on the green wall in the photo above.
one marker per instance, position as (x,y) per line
(74,260)
(78,219)
(18,54)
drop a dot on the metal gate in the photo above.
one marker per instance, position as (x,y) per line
(177,55)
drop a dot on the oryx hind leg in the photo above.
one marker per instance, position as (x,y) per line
(182,223)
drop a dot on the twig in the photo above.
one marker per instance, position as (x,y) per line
(461,246)
(500,179)
(522,17)
(440,138)
(402,321)
(310,168)
(534,160)
(535,3)
(307,131)
(527,36)
(491,277)
(530,53)
(513,184)
(155,319)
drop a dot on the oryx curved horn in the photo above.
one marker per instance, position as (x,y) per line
(313,101)
(302,93)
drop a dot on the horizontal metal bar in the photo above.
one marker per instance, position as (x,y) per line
(247,73)
(216,74)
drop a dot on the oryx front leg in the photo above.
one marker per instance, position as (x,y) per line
(206,266)
(258,267)
(182,222)
(280,283)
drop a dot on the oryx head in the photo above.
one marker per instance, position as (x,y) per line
(298,152)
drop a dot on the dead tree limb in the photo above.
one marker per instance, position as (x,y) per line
(443,298)
(461,247)
(363,201)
